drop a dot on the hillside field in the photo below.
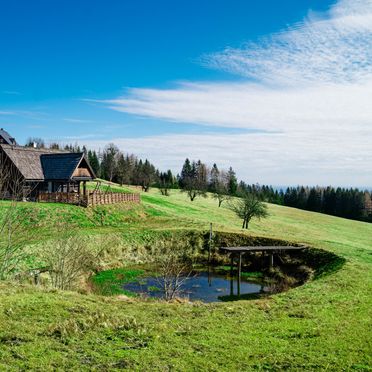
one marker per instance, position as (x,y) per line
(322,325)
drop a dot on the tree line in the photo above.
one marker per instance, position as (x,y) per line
(196,179)
(349,203)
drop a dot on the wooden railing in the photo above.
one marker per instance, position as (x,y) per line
(59,197)
(94,198)
(99,198)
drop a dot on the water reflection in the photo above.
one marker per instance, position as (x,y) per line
(206,286)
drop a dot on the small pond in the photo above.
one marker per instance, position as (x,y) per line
(203,286)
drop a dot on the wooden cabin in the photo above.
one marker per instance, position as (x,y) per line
(48,175)
(41,171)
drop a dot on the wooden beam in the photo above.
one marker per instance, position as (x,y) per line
(239,272)
(271,260)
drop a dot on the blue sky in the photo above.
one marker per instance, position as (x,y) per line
(131,72)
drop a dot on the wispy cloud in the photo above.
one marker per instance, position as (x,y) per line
(336,49)
(311,83)
(3,112)
(75,120)
(30,114)
(11,92)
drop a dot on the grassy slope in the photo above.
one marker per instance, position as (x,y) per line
(322,325)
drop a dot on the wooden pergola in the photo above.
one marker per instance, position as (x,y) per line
(239,251)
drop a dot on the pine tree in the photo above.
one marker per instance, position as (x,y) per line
(214,178)
(193,179)
(232,182)
(93,161)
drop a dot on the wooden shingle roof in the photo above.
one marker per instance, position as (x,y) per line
(6,138)
(60,166)
(43,164)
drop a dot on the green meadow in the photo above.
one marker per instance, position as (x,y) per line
(322,325)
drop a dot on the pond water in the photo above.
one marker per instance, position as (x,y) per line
(203,286)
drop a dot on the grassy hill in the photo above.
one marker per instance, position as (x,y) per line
(323,325)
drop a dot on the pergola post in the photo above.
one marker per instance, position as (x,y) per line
(239,272)
(231,274)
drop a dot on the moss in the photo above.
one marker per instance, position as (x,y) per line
(110,282)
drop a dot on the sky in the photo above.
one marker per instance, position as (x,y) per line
(279,90)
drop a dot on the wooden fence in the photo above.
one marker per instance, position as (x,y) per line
(99,198)
(59,197)
(94,198)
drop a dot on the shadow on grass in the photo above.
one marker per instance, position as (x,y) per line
(323,262)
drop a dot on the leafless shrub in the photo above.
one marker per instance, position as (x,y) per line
(16,224)
(16,233)
(69,259)
(174,270)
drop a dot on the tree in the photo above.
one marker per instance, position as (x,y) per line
(93,161)
(214,178)
(186,173)
(329,200)
(248,207)
(109,161)
(121,169)
(174,268)
(314,201)
(166,181)
(147,175)
(54,146)
(36,142)
(193,179)
(221,189)
(232,182)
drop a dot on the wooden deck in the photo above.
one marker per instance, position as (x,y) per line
(271,248)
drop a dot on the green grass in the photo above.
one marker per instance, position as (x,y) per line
(106,186)
(322,325)
(109,282)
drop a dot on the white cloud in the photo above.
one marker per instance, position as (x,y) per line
(336,49)
(2,112)
(274,158)
(75,120)
(309,86)
(11,92)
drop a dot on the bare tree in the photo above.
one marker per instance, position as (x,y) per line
(221,188)
(68,259)
(16,224)
(12,184)
(248,207)
(35,142)
(110,157)
(174,270)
